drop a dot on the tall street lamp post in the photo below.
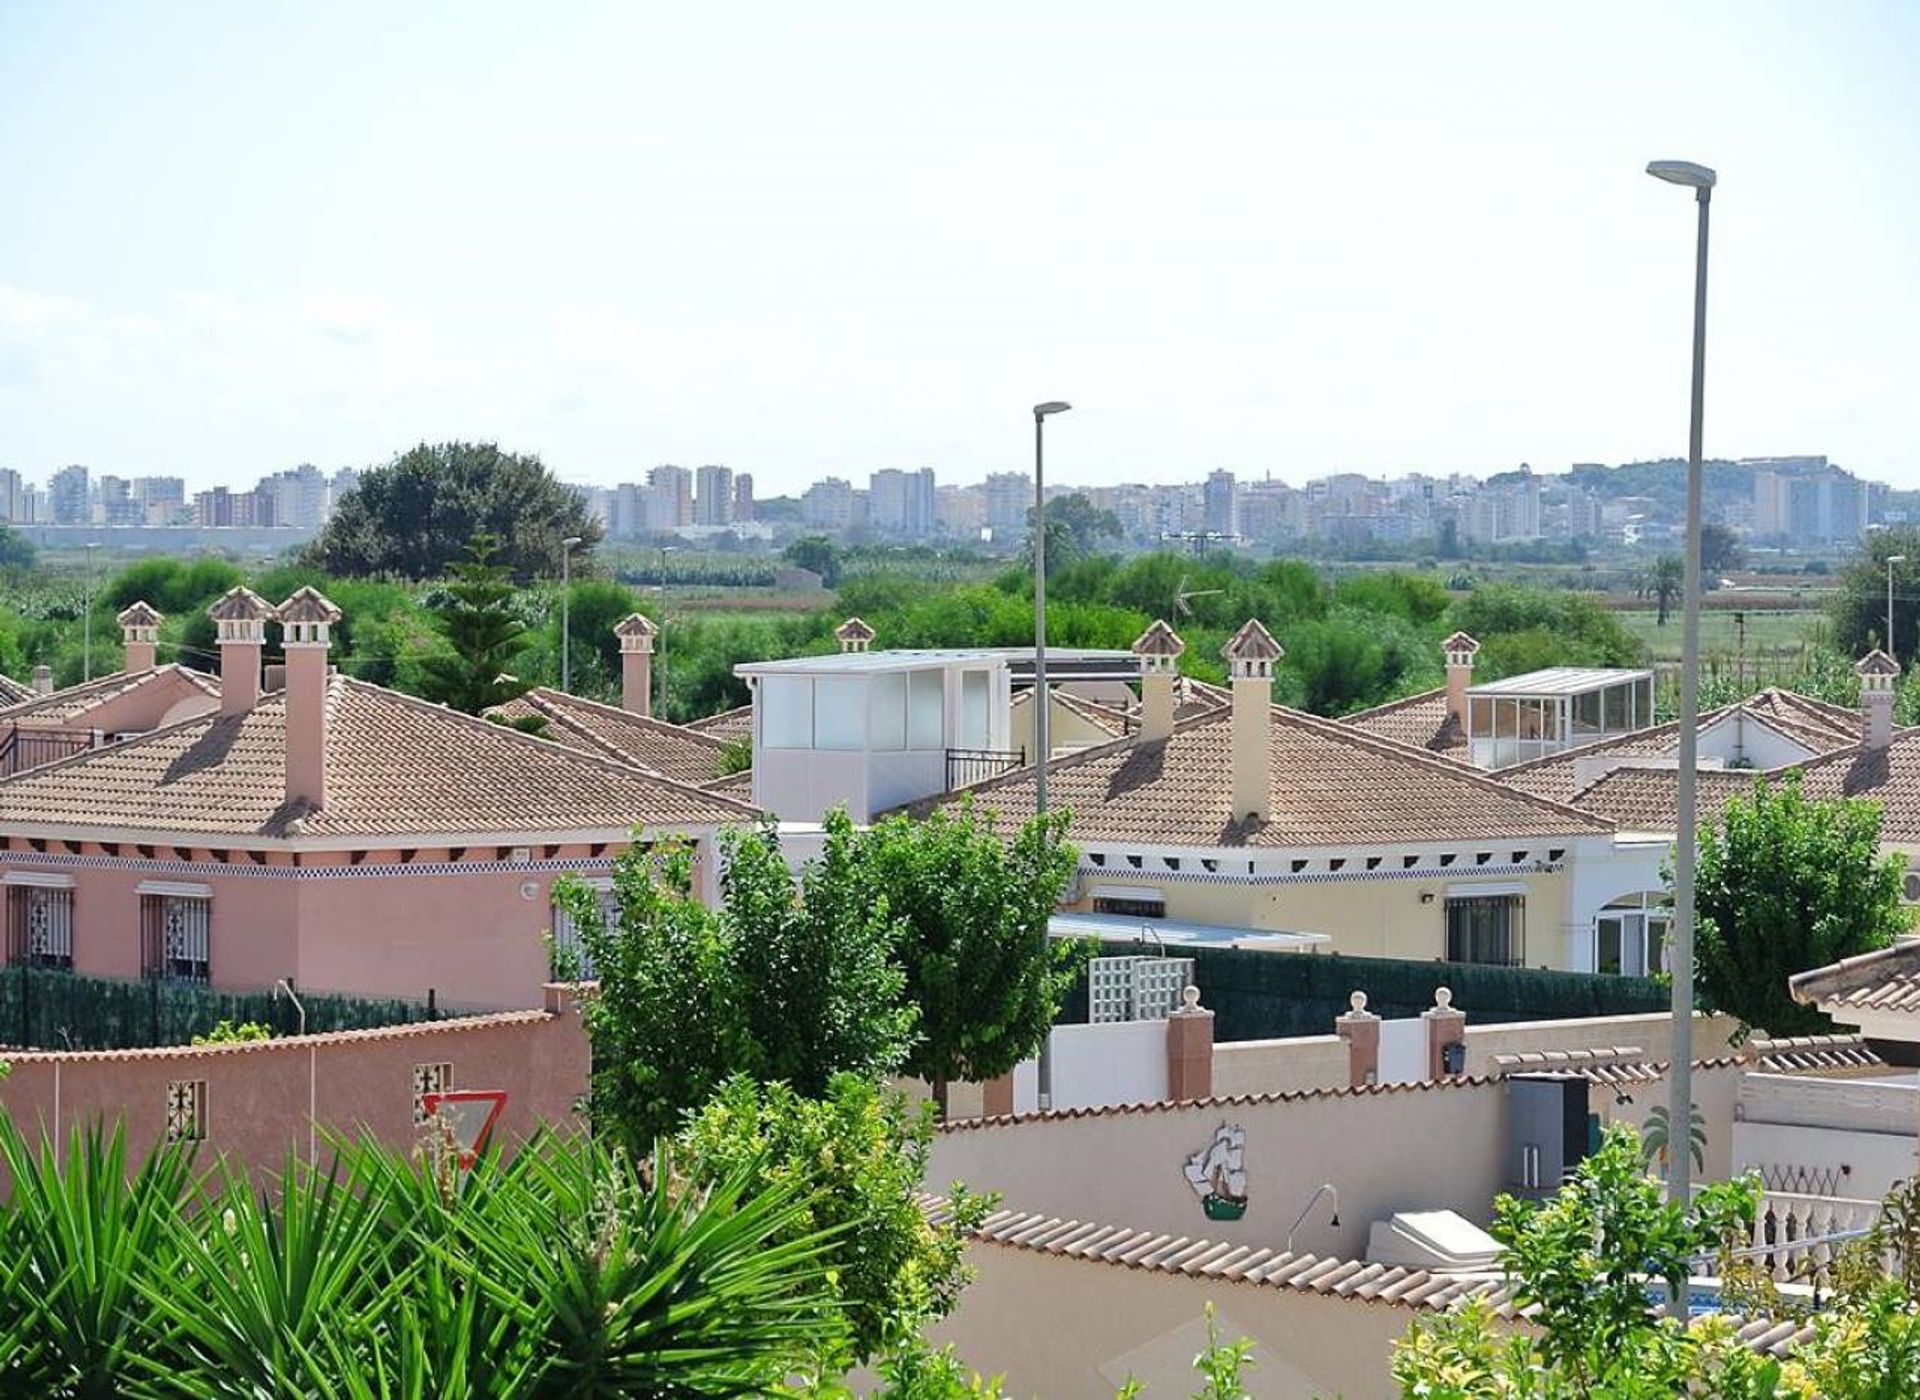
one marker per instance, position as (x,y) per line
(86,623)
(1041,739)
(1892,559)
(1700,180)
(567,546)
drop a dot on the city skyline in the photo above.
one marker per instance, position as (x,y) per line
(698,239)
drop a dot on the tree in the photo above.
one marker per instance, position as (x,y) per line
(818,553)
(17,553)
(1666,577)
(1086,523)
(1720,550)
(980,968)
(789,981)
(475,616)
(1859,605)
(1787,883)
(414,516)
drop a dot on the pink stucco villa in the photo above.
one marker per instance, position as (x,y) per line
(333,833)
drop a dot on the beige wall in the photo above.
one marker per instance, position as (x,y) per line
(1280,1066)
(1405,1149)
(1069,1329)
(258,1095)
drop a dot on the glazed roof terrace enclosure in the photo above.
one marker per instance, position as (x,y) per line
(1542,712)
(876,729)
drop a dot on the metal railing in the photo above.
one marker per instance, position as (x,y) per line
(965,766)
(21,749)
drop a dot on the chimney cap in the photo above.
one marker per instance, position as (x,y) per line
(309,604)
(240,604)
(1460,641)
(1159,640)
(1876,663)
(139,614)
(635,625)
(854,630)
(1252,643)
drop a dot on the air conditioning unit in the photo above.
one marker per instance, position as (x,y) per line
(1910,887)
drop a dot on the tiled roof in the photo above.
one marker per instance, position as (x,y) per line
(1460,641)
(12,692)
(1644,799)
(1619,1064)
(854,630)
(1419,721)
(75,700)
(281,1044)
(1331,785)
(1252,642)
(308,604)
(1102,717)
(1193,697)
(138,614)
(635,625)
(738,786)
(1182,1256)
(1811,1054)
(396,766)
(1159,640)
(686,756)
(1877,663)
(1886,980)
(736,723)
(240,604)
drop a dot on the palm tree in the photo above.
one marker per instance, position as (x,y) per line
(1656,1139)
(1664,581)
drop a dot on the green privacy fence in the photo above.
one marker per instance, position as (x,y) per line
(1258,996)
(43,1009)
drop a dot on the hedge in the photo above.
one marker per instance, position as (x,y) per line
(44,1009)
(1260,996)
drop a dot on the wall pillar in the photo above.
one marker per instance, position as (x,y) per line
(1190,1049)
(1445,1026)
(996,1097)
(1360,1028)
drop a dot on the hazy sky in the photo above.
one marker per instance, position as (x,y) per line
(823,239)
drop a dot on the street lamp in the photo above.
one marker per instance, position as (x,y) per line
(660,638)
(1041,739)
(1700,180)
(1892,559)
(567,546)
(86,623)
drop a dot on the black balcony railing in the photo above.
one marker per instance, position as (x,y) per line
(965,766)
(21,749)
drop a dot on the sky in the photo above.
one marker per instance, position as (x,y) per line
(826,239)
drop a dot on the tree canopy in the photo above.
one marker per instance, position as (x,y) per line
(414,516)
(1859,605)
(484,635)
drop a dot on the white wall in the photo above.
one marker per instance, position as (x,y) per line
(1600,870)
(1094,1066)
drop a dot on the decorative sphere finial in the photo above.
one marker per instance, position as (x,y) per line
(1358,1001)
(1443,997)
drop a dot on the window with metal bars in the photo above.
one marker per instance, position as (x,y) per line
(429,1079)
(176,937)
(570,956)
(40,926)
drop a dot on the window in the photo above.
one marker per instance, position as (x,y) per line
(1630,935)
(570,956)
(429,1079)
(175,936)
(786,706)
(974,710)
(927,710)
(836,714)
(1132,904)
(40,926)
(887,706)
(187,1110)
(1487,929)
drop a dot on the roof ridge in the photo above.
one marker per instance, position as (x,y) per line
(1387,707)
(558,700)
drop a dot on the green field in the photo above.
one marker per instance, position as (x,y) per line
(1770,635)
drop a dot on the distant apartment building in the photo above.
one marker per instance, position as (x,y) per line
(344,483)
(162,500)
(901,503)
(1218,503)
(1269,510)
(713,498)
(1506,508)
(961,511)
(221,508)
(13,497)
(743,496)
(300,496)
(670,502)
(70,496)
(827,505)
(1009,496)
(115,504)
(1803,501)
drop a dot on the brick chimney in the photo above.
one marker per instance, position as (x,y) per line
(1250,655)
(1878,673)
(1360,1028)
(43,680)
(854,635)
(1159,649)
(306,622)
(140,634)
(636,634)
(240,625)
(1459,649)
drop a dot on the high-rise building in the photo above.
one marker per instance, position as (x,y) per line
(827,504)
(713,503)
(901,503)
(1218,503)
(961,511)
(69,496)
(743,496)
(116,504)
(13,496)
(671,503)
(1009,498)
(299,496)
(162,500)
(345,482)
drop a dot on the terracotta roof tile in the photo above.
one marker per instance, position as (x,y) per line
(308,604)
(854,630)
(139,614)
(1887,980)
(12,692)
(396,766)
(240,604)
(671,750)
(75,700)
(635,625)
(1419,721)
(1159,640)
(736,723)
(1331,785)
(1252,642)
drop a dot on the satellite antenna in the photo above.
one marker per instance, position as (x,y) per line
(1181,595)
(465,1117)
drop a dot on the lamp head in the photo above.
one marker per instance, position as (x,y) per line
(1053,406)
(571,541)
(1683,172)
(1896,559)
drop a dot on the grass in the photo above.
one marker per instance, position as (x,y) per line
(1770,634)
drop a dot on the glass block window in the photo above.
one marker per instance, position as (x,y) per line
(187,1110)
(40,926)
(429,1079)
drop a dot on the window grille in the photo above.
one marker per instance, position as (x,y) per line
(429,1079)
(176,937)
(187,1110)
(570,955)
(40,926)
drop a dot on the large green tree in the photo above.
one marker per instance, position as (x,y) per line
(414,516)
(1859,605)
(1786,883)
(474,614)
(981,971)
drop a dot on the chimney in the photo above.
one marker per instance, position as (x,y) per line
(1459,649)
(306,620)
(854,635)
(1250,656)
(140,634)
(1360,1028)
(1159,649)
(240,626)
(1878,674)
(43,680)
(636,636)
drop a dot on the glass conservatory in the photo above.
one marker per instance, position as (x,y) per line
(1542,712)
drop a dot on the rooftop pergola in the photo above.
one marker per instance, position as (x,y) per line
(1529,716)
